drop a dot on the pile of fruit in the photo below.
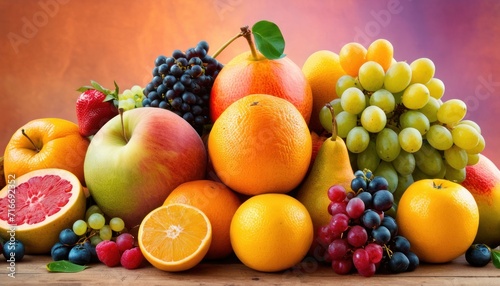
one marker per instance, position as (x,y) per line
(260,159)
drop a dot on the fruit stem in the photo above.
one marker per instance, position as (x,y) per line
(334,122)
(120,110)
(33,143)
(244,32)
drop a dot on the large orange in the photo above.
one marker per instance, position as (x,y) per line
(218,202)
(260,144)
(244,75)
(322,70)
(440,218)
(56,143)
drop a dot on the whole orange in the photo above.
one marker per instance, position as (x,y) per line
(218,202)
(46,143)
(440,218)
(244,75)
(260,144)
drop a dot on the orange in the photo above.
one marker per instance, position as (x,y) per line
(260,144)
(322,70)
(352,56)
(271,232)
(440,218)
(175,237)
(218,202)
(382,52)
(57,144)
(244,75)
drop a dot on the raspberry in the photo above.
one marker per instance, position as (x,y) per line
(108,253)
(125,241)
(131,258)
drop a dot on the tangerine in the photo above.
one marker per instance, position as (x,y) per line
(244,75)
(260,144)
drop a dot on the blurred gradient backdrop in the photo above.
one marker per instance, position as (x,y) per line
(49,48)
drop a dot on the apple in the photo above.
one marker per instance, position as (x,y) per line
(134,162)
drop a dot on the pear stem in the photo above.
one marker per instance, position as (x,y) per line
(120,110)
(245,32)
(334,122)
(33,143)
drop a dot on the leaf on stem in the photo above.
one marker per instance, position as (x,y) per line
(268,39)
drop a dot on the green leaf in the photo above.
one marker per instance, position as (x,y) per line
(65,266)
(495,258)
(268,39)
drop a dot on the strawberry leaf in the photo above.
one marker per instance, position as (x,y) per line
(495,258)
(268,39)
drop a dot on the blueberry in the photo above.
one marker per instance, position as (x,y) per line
(13,250)
(91,248)
(79,254)
(59,251)
(67,236)
(478,255)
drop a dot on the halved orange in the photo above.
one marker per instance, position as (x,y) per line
(175,237)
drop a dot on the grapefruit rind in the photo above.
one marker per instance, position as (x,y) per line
(39,238)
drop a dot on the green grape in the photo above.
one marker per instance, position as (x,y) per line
(436,87)
(337,106)
(117,224)
(451,111)
(415,119)
(454,175)
(430,109)
(383,99)
(368,159)
(471,123)
(386,170)
(91,210)
(465,136)
(353,100)
(95,239)
(397,77)
(80,227)
(410,139)
(387,144)
(422,70)
(136,89)
(345,122)
(373,119)
(96,221)
(105,233)
(357,139)
(126,104)
(481,144)
(344,82)
(439,137)
(371,76)
(325,115)
(428,160)
(404,163)
(353,160)
(456,157)
(403,183)
(415,96)
(472,159)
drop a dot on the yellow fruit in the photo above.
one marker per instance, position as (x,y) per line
(322,70)
(440,218)
(218,203)
(352,56)
(271,232)
(175,237)
(382,52)
(38,205)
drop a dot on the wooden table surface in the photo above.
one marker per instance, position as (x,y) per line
(31,270)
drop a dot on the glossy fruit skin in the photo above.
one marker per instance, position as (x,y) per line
(478,255)
(131,258)
(68,236)
(244,75)
(13,250)
(59,251)
(108,253)
(128,179)
(92,112)
(79,254)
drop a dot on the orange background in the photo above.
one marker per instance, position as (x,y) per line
(49,48)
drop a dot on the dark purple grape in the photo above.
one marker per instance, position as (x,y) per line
(398,262)
(381,235)
(176,71)
(382,200)
(160,60)
(401,244)
(178,54)
(378,183)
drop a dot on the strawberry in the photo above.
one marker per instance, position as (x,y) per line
(94,107)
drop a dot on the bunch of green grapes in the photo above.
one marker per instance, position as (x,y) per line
(131,98)
(396,123)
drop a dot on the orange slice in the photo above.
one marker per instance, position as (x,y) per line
(175,237)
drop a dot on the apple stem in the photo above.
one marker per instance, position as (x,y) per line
(120,110)
(334,122)
(244,32)
(33,143)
